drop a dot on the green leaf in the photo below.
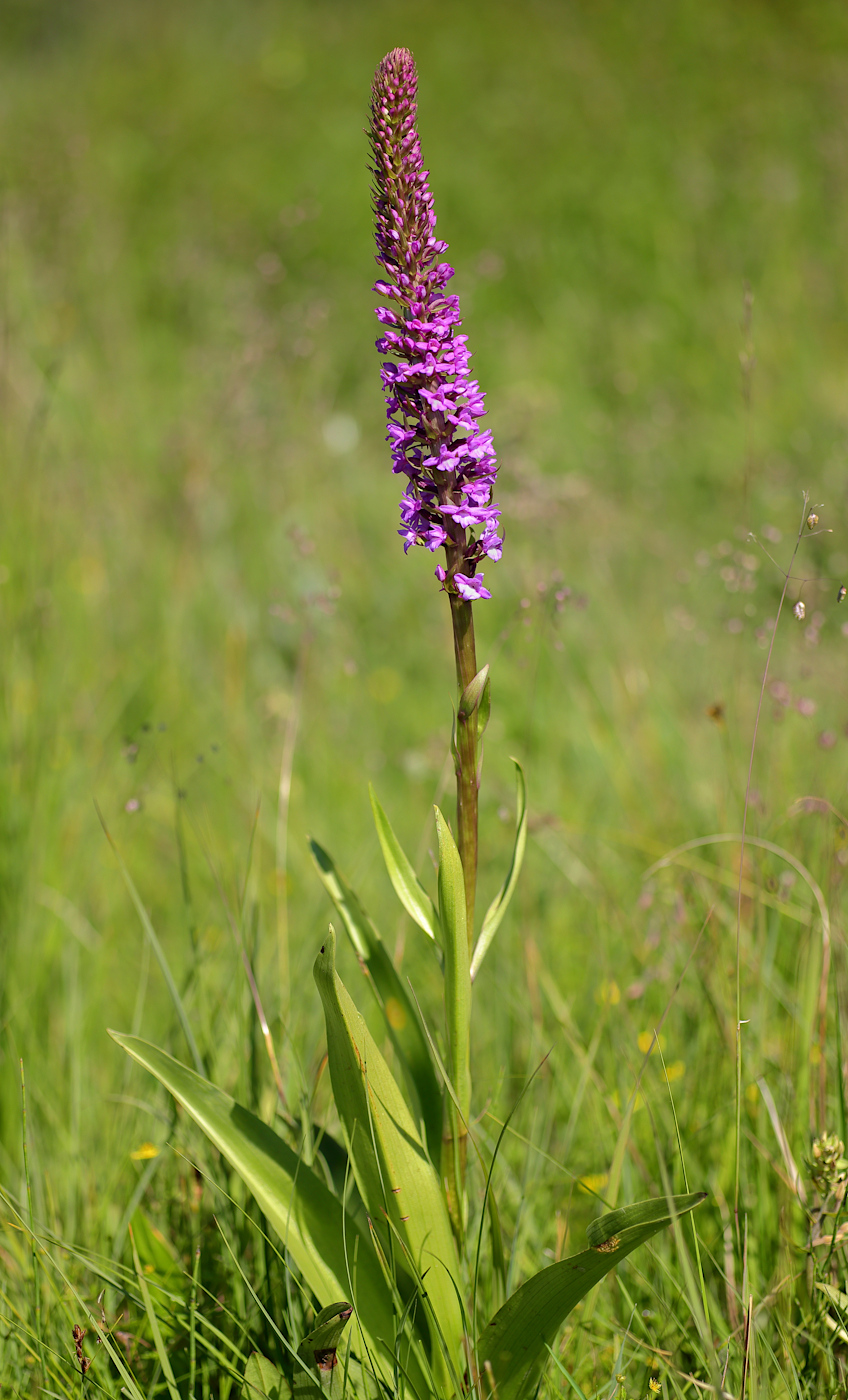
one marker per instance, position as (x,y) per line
(154,1251)
(457,978)
(390,1163)
(840,1301)
(318,1373)
(515,1343)
(408,888)
(500,903)
(394,1000)
(163,1271)
(312,1223)
(262,1380)
(158,1342)
(472,695)
(484,709)
(497,1244)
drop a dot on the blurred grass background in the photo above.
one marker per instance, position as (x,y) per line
(200,574)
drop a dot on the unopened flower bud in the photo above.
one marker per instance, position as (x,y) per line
(827,1166)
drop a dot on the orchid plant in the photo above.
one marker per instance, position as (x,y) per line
(388,1233)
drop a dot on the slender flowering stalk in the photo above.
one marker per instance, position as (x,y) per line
(434,407)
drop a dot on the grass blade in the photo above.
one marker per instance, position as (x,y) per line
(155,1331)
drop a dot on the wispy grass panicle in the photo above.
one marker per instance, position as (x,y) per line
(434,407)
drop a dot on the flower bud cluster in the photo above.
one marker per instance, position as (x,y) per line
(827,1166)
(434,407)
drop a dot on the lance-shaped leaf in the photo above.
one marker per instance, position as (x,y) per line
(408,888)
(317,1372)
(500,903)
(312,1223)
(390,1162)
(484,709)
(392,997)
(457,979)
(515,1343)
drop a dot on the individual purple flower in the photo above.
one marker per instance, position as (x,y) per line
(433,405)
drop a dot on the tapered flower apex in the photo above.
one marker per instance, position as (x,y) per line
(434,407)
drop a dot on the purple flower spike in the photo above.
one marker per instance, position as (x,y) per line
(433,406)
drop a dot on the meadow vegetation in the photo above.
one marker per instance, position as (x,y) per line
(212,643)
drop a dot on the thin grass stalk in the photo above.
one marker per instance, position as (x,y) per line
(36,1267)
(786,580)
(248,968)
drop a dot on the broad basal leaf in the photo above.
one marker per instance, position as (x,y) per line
(311,1222)
(390,1163)
(516,1340)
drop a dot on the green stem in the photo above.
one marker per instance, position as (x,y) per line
(466,755)
(455,1143)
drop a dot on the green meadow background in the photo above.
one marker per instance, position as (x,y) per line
(204,603)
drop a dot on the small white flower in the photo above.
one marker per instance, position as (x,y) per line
(800,610)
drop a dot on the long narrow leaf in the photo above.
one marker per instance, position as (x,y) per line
(310,1220)
(155,1331)
(515,1343)
(500,903)
(408,888)
(457,978)
(392,997)
(390,1163)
